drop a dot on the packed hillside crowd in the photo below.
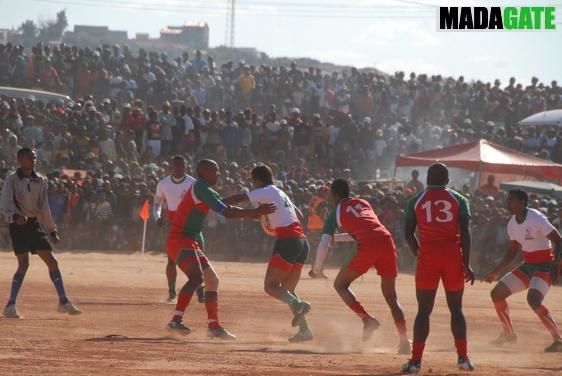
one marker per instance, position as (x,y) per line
(105,153)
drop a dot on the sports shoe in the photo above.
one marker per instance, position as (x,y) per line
(299,310)
(11,312)
(302,336)
(220,333)
(411,367)
(503,339)
(320,275)
(178,327)
(556,346)
(465,364)
(171,297)
(201,294)
(370,324)
(69,308)
(404,348)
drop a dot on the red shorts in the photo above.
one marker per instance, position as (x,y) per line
(185,251)
(379,253)
(440,263)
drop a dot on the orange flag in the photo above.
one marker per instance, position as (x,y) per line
(144,214)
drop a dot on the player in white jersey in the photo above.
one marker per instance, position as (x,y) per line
(170,191)
(531,231)
(291,248)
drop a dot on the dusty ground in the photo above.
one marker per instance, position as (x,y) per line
(122,329)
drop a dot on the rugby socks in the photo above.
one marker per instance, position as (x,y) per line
(401,326)
(16,285)
(289,298)
(503,313)
(212,307)
(359,310)
(181,305)
(59,286)
(549,322)
(462,348)
(417,351)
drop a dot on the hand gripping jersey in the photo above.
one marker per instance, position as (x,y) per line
(358,219)
(437,211)
(532,234)
(172,193)
(284,220)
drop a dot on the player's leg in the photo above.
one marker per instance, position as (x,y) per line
(458,328)
(512,283)
(359,264)
(538,288)
(211,280)
(65,306)
(171,276)
(10,310)
(388,288)
(290,283)
(188,263)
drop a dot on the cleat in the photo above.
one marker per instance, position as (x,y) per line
(11,312)
(302,336)
(556,346)
(314,275)
(411,367)
(201,294)
(299,309)
(465,364)
(370,324)
(404,348)
(171,297)
(220,333)
(503,339)
(69,308)
(178,327)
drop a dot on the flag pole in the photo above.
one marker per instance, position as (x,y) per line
(143,238)
(144,215)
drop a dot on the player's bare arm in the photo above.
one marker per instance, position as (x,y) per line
(465,245)
(410,234)
(236,199)
(556,240)
(236,212)
(507,260)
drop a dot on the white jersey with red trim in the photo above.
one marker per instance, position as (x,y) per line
(532,234)
(170,191)
(284,220)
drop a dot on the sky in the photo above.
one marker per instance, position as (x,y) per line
(390,35)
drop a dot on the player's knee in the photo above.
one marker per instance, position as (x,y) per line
(534,299)
(340,285)
(23,266)
(496,295)
(196,278)
(211,281)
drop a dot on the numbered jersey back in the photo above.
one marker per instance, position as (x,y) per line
(437,212)
(357,218)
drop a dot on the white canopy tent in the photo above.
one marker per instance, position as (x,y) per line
(552,118)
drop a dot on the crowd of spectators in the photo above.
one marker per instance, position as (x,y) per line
(105,152)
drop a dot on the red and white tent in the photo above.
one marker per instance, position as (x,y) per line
(486,158)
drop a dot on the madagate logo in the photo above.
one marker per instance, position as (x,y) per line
(497,18)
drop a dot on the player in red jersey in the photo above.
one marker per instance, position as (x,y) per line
(442,217)
(375,248)
(183,245)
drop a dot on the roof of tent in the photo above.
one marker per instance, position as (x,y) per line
(543,188)
(485,156)
(545,118)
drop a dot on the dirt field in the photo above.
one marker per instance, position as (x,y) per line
(122,330)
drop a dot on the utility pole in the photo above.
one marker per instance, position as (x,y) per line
(230,23)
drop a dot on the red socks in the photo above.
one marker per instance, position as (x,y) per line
(417,351)
(359,310)
(462,348)
(401,326)
(503,313)
(181,305)
(548,321)
(212,314)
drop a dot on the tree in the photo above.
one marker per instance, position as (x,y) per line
(52,30)
(29,32)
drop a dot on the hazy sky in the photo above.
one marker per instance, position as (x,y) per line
(388,34)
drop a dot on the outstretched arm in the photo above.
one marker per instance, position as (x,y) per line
(236,199)
(507,259)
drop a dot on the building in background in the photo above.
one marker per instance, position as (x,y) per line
(191,34)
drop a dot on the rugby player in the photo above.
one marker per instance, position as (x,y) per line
(290,251)
(184,248)
(531,231)
(442,217)
(170,190)
(375,248)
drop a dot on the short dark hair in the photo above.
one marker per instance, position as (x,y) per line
(437,174)
(24,151)
(263,173)
(178,158)
(340,187)
(520,195)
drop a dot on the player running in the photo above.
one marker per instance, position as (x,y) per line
(442,217)
(530,230)
(375,248)
(290,251)
(24,203)
(184,248)
(170,190)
